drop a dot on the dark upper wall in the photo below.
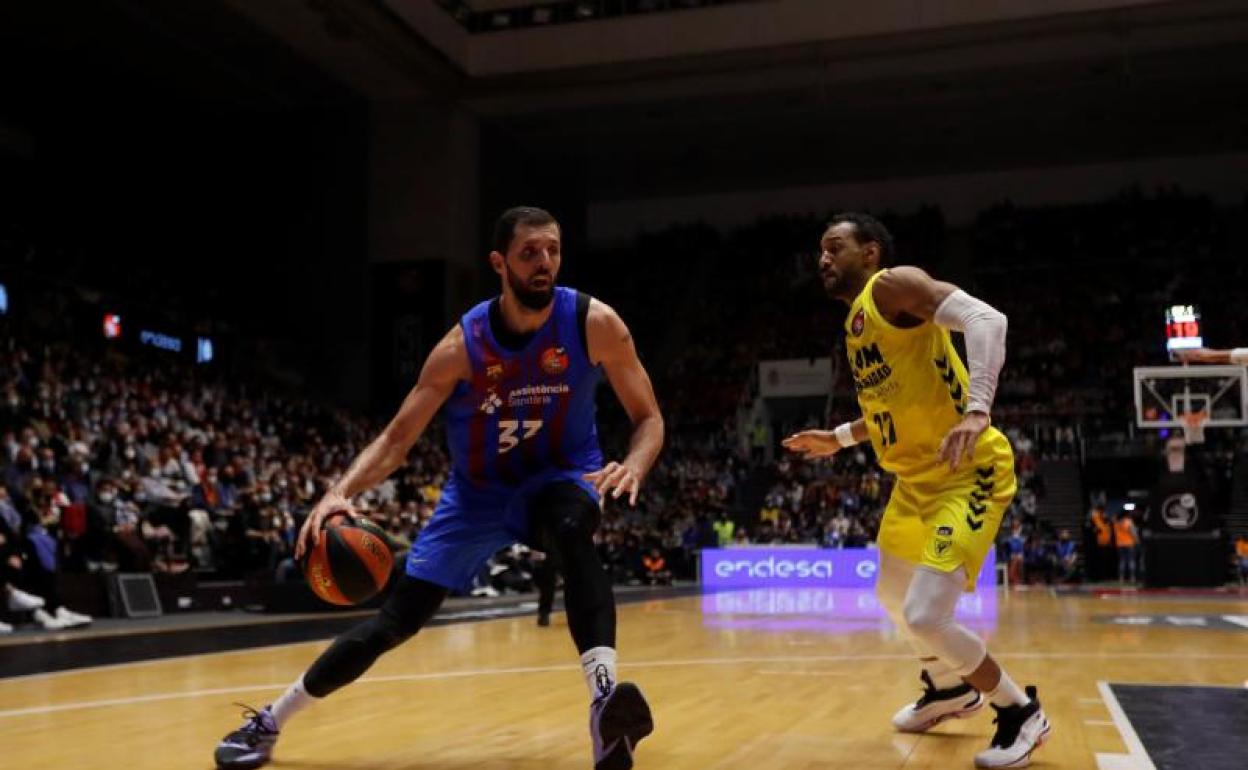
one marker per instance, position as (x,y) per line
(187,163)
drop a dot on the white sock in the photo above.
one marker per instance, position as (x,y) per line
(294,700)
(942,675)
(1008,693)
(599,666)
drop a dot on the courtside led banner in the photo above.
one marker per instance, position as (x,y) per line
(769,566)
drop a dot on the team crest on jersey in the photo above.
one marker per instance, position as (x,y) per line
(555,360)
(494,372)
(859,323)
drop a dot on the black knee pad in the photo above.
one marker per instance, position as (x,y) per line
(563,512)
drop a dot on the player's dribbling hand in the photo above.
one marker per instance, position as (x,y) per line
(618,478)
(310,534)
(960,442)
(811,444)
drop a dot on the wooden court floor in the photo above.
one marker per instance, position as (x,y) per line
(756,680)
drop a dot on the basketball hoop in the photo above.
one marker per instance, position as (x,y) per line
(1194,427)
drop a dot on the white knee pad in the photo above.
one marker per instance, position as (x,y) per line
(891,585)
(928,611)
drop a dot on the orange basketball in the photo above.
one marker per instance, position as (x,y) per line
(351,563)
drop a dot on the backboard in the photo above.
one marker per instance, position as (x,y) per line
(1163,394)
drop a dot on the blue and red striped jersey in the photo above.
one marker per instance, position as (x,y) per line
(526,411)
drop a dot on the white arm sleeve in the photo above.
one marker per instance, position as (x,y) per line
(984,328)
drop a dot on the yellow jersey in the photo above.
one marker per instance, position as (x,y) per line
(912,389)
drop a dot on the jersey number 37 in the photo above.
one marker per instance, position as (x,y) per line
(507,430)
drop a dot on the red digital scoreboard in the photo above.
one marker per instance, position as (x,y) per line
(1182,328)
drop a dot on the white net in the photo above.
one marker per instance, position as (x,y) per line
(1194,427)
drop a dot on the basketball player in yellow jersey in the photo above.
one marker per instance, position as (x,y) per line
(928,422)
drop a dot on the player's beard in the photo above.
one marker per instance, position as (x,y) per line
(533,299)
(830,287)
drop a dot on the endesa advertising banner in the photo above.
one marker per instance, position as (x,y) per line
(801,567)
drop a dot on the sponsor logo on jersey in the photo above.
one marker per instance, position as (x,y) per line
(859,323)
(536,395)
(555,360)
(944,531)
(494,372)
(492,402)
(870,368)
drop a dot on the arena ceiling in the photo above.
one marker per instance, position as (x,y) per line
(863,96)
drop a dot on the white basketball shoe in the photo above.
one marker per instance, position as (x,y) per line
(1020,731)
(936,706)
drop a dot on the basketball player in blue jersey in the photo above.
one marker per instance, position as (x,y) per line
(517,376)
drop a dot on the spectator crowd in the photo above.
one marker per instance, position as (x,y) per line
(113,463)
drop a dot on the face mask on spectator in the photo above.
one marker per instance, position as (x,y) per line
(108,497)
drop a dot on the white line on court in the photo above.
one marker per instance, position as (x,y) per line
(799,672)
(73,706)
(325,642)
(1138,755)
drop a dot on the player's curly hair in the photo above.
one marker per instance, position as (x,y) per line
(868,229)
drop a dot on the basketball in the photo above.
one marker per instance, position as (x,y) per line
(352,562)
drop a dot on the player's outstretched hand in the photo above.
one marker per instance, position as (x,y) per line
(310,535)
(959,443)
(811,444)
(617,478)
(1201,356)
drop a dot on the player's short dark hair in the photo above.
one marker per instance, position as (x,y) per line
(505,227)
(868,229)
